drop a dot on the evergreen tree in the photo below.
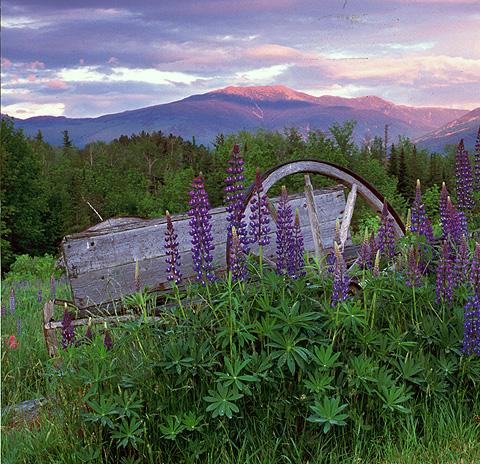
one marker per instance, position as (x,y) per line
(67,143)
(392,169)
(403,175)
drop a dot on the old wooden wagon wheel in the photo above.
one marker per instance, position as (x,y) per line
(343,176)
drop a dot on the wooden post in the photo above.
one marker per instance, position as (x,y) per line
(312,214)
(347,215)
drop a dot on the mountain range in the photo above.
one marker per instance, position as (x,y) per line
(271,107)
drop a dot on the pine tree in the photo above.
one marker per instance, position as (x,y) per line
(403,184)
(392,168)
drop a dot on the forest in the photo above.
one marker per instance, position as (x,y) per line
(52,191)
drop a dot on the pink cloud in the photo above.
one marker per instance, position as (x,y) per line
(56,84)
(112,60)
(32,78)
(7,64)
(35,65)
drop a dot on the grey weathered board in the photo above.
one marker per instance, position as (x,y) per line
(101,260)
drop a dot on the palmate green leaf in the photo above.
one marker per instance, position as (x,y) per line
(329,413)
(128,433)
(172,428)
(233,377)
(102,411)
(222,401)
(324,358)
(394,397)
(287,350)
(292,317)
(318,383)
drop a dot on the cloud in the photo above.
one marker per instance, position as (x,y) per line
(56,84)
(30,109)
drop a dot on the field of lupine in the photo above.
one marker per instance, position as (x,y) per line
(310,361)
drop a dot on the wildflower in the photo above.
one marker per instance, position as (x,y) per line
(12,301)
(471,326)
(235,199)
(39,298)
(413,275)
(88,333)
(341,278)
(284,233)
(385,237)
(474,274)
(200,233)
(68,333)
(296,259)
(464,178)
(461,265)
(107,342)
(19,325)
(237,258)
(376,265)
(444,289)
(137,276)
(3,312)
(336,239)
(408,225)
(53,289)
(173,256)
(477,161)
(260,217)
(12,343)
(442,203)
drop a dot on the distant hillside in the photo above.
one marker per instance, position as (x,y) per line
(465,127)
(236,108)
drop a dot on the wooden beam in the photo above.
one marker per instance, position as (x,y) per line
(347,215)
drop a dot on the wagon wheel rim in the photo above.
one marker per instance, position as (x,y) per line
(333,171)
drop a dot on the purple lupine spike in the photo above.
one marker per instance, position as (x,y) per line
(68,333)
(237,258)
(471,326)
(107,342)
(474,274)
(385,237)
(53,288)
(418,212)
(3,312)
(19,325)
(173,256)
(364,259)
(341,279)
(373,249)
(464,178)
(376,266)
(235,199)
(336,239)
(260,217)
(413,274)
(444,288)
(284,233)
(137,276)
(461,266)
(39,298)
(297,259)
(201,233)
(442,203)
(477,161)
(12,301)
(88,333)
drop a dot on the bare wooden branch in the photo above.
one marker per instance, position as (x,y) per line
(347,216)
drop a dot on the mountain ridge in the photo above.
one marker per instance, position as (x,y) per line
(234,108)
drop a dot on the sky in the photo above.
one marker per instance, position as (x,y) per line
(87,58)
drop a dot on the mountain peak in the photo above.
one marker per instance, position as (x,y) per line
(265,93)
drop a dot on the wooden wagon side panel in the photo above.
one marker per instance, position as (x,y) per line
(101,261)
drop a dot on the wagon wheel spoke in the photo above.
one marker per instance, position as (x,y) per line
(272,210)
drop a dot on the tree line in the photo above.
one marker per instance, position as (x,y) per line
(52,191)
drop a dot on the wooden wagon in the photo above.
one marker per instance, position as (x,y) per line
(101,261)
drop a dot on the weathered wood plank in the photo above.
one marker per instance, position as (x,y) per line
(101,260)
(347,216)
(312,214)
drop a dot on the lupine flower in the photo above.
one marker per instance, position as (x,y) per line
(68,333)
(200,233)
(12,343)
(260,217)
(336,239)
(341,278)
(442,203)
(471,326)
(88,333)
(137,276)
(408,225)
(39,298)
(53,289)
(297,259)
(107,342)
(461,266)
(477,161)
(464,180)
(385,237)
(235,199)
(237,258)
(474,274)
(3,312)
(19,325)
(444,288)
(284,233)
(364,258)
(413,274)
(12,301)
(173,256)
(376,265)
